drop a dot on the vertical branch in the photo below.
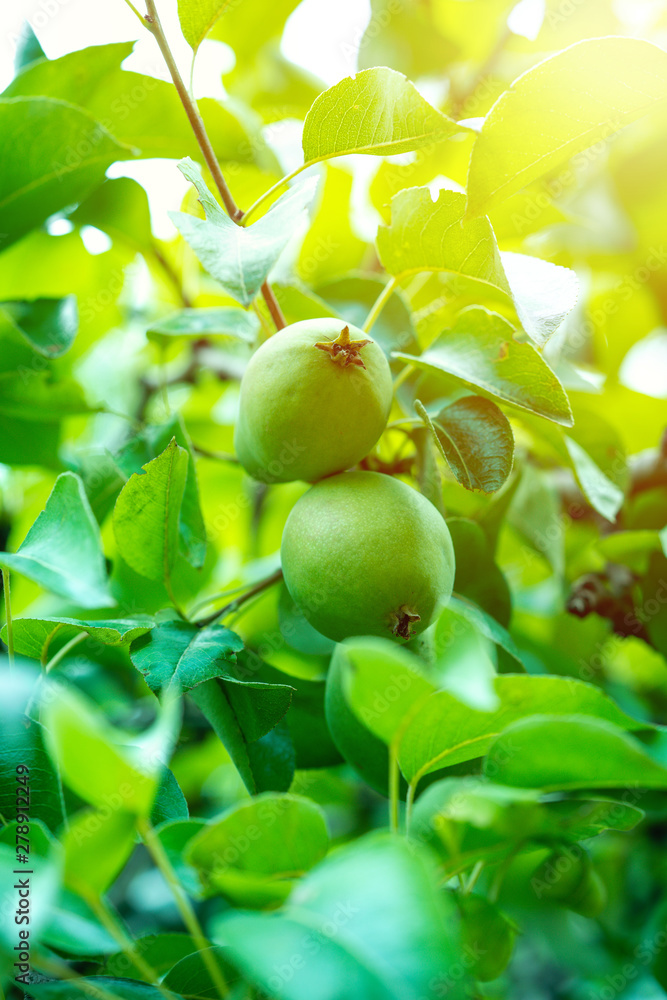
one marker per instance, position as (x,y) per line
(152,21)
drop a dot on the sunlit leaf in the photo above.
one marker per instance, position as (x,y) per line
(73,154)
(479,350)
(560,107)
(146,514)
(63,549)
(378,111)
(240,257)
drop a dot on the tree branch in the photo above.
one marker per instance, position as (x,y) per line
(154,25)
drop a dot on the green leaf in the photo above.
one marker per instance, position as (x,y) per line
(62,552)
(146,515)
(479,350)
(378,111)
(478,577)
(466,823)
(427,235)
(197,17)
(555,754)
(191,977)
(32,635)
(225,322)
(22,742)
(560,107)
(75,929)
(74,153)
(97,844)
(120,989)
(161,951)
(240,257)
(245,717)
(170,804)
(148,444)
(144,113)
(373,916)
(488,626)
(181,654)
(102,764)
(38,395)
(43,873)
(374,672)
(119,208)
(543,293)
(476,440)
(49,326)
(605,496)
(256,850)
(426,745)
(174,836)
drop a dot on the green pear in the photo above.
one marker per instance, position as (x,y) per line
(364,554)
(315,398)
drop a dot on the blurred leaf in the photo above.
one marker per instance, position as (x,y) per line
(197,17)
(378,111)
(22,742)
(48,325)
(74,152)
(487,625)
(190,976)
(34,394)
(62,552)
(102,764)
(29,442)
(97,844)
(468,823)
(141,111)
(247,27)
(602,493)
(121,989)
(476,440)
(425,745)
(75,929)
(119,208)
(239,257)
(554,754)
(595,88)
(480,351)
(371,667)
(255,851)
(181,654)
(28,48)
(395,931)
(146,515)
(478,577)
(224,322)
(161,951)
(32,635)
(330,247)
(44,882)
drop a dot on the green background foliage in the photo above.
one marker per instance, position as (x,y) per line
(225,803)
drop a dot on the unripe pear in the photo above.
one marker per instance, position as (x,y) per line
(364,554)
(315,398)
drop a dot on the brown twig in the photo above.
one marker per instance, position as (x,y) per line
(152,21)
